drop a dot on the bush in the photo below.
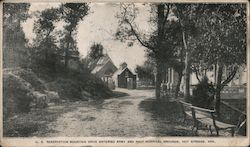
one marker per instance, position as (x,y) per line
(72,85)
(18,88)
(31,77)
(66,88)
(203,94)
(15,95)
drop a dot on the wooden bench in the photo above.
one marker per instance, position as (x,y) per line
(206,117)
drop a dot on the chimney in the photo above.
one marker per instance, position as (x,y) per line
(123,65)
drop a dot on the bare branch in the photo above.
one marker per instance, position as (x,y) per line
(166,15)
(137,36)
(197,74)
(165,20)
(230,77)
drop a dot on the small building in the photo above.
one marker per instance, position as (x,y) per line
(104,68)
(124,77)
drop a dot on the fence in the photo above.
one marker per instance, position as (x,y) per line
(233,92)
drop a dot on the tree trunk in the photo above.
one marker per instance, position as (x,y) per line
(66,57)
(160,12)
(158,80)
(187,68)
(178,84)
(159,64)
(218,89)
(47,48)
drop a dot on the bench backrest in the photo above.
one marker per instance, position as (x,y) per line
(197,112)
(185,106)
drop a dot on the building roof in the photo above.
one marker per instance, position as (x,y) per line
(96,65)
(121,70)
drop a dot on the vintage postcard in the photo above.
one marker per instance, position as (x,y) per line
(124,73)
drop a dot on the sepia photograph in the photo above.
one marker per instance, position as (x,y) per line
(124,69)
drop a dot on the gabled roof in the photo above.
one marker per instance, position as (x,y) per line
(98,64)
(121,70)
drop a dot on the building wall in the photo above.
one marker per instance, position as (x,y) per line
(237,83)
(122,79)
(171,80)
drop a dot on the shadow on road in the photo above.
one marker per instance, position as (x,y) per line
(117,94)
(161,108)
(167,116)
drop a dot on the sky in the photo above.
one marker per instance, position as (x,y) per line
(99,26)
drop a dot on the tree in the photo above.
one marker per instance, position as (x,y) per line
(44,45)
(72,13)
(146,71)
(188,15)
(14,50)
(178,65)
(14,14)
(203,94)
(156,41)
(96,51)
(223,43)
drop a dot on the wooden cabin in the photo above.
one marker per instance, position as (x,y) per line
(124,77)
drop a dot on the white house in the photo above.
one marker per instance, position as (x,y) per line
(234,89)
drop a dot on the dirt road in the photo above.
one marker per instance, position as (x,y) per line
(136,114)
(111,117)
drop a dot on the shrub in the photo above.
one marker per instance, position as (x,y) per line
(32,78)
(15,95)
(66,88)
(18,88)
(203,94)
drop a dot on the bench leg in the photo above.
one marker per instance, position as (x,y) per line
(185,118)
(197,126)
(232,132)
(217,131)
(194,125)
(210,129)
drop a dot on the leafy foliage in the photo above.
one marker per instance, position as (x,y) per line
(14,50)
(45,50)
(72,13)
(203,94)
(224,35)
(96,51)
(14,13)
(146,71)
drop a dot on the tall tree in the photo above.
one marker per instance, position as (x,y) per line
(155,40)
(177,63)
(14,49)
(96,51)
(222,43)
(188,14)
(72,13)
(44,45)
